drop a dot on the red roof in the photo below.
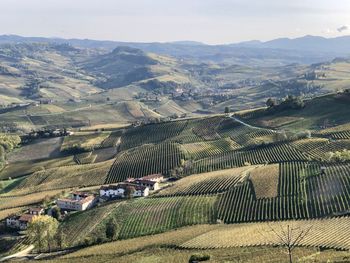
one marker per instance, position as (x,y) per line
(129,180)
(152,176)
(35,209)
(142,181)
(26,218)
(123,186)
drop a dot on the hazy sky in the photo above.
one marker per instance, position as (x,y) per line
(210,21)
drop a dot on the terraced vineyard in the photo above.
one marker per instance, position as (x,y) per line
(145,160)
(86,141)
(318,148)
(303,192)
(268,154)
(85,158)
(66,177)
(141,217)
(206,128)
(244,135)
(327,233)
(112,140)
(341,135)
(199,150)
(207,183)
(310,146)
(153,133)
(9,201)
(171,238)
(78,227)
(150,216)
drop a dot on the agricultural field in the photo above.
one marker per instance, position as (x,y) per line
(327,233)
(199,150)
(249,255)
(145,160)
(140,217)
(207,183)
(155,133)
(77,227)
(304,191)
(9,201)
(39,149)
(163,247)
(330,110)
(65,177)
(265,181)
(20,169)
(151,216)
(84,141)
(226,181)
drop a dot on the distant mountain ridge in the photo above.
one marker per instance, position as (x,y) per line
(308,49)
(339,45)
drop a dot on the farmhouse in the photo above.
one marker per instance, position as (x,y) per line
(115,191)
(21,221)
(13,221)
(78,202)
(152,185)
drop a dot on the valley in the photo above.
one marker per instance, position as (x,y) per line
(138,154)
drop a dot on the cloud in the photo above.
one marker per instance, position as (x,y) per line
(342,28)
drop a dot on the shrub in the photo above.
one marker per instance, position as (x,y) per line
(341,156)
(199,257)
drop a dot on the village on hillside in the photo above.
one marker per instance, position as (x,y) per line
(81,201)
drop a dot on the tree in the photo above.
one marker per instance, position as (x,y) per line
(111,229)
(271,103)
(227,110)
(129,191)
(290,238)
(56,213)
(60,238)
(42,230)
(280,136)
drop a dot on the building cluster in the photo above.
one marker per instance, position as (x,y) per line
(140,187)
(81,201)
(78,201)
(21,221)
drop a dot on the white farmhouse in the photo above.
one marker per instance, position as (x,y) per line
(115,191)
(78,202)
(152,185)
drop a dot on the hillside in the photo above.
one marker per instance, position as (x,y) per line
(307,49)
(221,171)
(58,85)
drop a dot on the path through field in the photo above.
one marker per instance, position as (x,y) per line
(20,254)
(251,126)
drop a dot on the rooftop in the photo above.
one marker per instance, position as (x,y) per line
(152,176)
(82,201)
(26,218)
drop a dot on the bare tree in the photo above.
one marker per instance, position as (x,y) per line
(289,238)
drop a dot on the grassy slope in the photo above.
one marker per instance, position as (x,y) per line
(332,109)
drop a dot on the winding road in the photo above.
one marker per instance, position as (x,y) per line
(251,126)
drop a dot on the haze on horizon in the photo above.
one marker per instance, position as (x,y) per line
(208,21)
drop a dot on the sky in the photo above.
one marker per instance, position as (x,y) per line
(208,21)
